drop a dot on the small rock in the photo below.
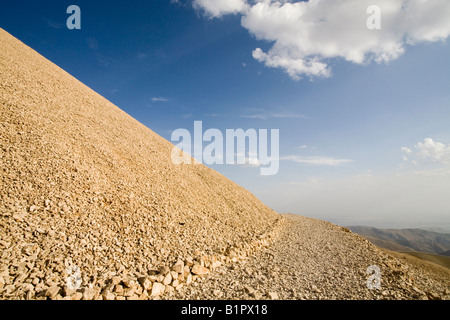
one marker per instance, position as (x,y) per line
(186,271)
(160,278)
(108,295)
(316,290)
(433,296)
(129,292)
(189,279)
(199,270)
(169,289)
(145,282)
(164,270)
(127,282)
(118,289)
(168,279)
(178,288)
(30,295)
(88,294)
(77,296)
(52,292)
(4,271)
(153,278)
(116,280)
(249,290)
(189,262)
(178,267)
(66,291)
(143,296)
(157,289)
(273,295)
(418,291)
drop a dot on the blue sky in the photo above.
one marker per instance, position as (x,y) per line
(342,126)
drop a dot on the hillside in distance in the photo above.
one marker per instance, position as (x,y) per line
(405,240)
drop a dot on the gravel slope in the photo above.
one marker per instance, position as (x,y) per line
(83,183)
(313,259)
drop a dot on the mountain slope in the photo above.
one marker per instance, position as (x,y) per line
(84,183)
(406,239)
(313,259)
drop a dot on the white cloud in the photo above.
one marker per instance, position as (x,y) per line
(406,150)
(429,151)
(159,99)
(317,161)
(217,8)
(306,35)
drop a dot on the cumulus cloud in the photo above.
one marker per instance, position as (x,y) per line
(428,151)
(305,36)
(217,8)
(317,161)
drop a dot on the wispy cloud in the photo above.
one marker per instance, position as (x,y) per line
(104,61)
(272,115)
(216,115)
(53,24)
(141,55)
(318,161)
(92,43)
(305,146)
(159,99)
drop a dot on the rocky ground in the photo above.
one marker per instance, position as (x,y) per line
(301,259)
(313,259)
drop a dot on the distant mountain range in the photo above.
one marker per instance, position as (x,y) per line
(406,240)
